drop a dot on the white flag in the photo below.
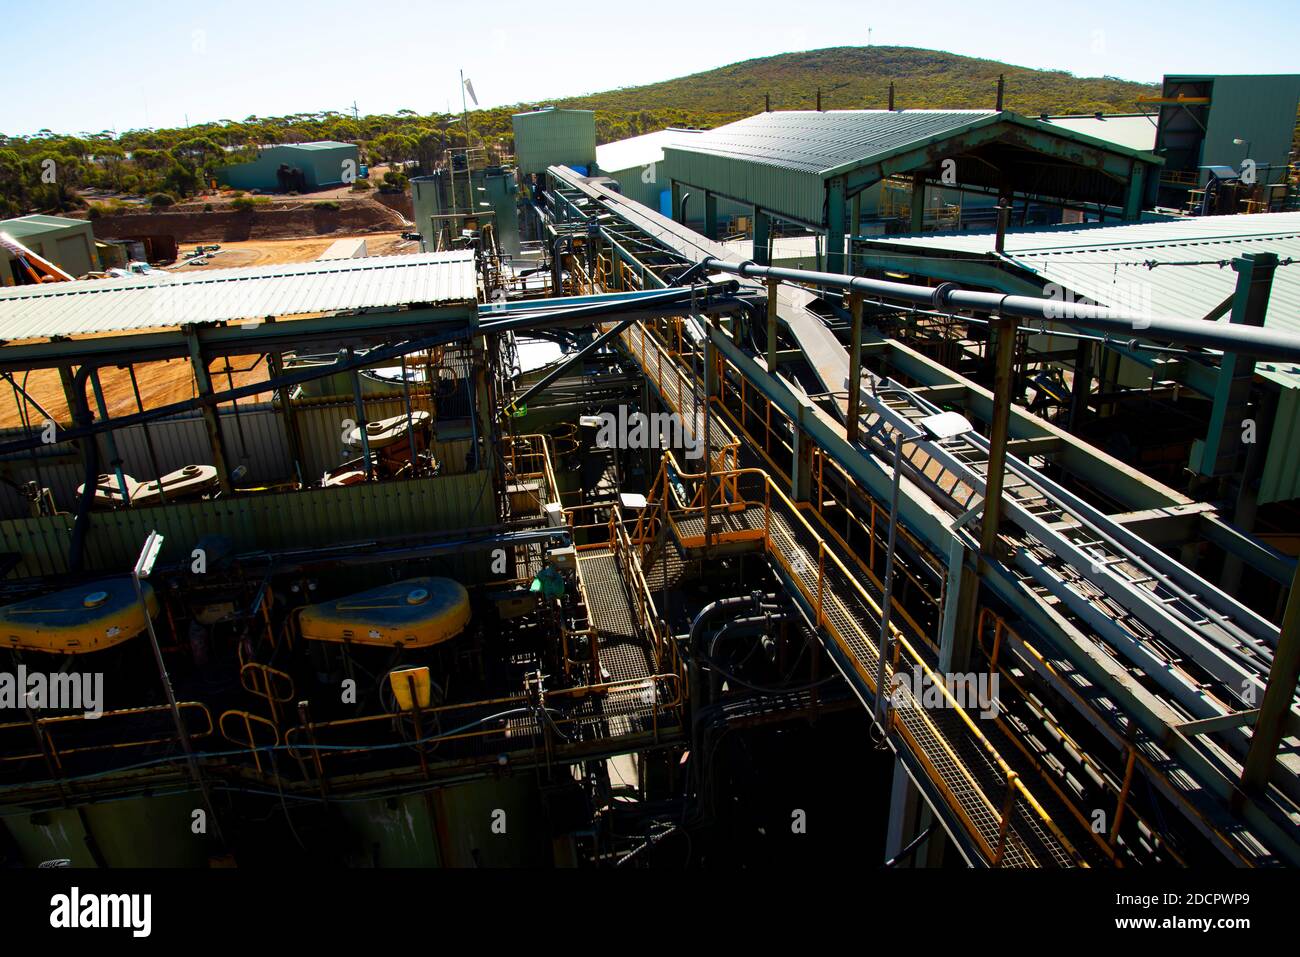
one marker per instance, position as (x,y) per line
(469,88)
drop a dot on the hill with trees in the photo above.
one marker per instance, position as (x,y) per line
(45,172)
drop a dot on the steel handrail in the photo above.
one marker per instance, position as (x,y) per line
(1013,780)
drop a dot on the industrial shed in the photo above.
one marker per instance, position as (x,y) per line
(297,167)
(1181,267)
(810,167)
(551,137)
(1207,121)
(68,243)
(643,173)
(638,164)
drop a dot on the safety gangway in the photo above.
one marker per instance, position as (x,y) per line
(988,798)
(1199,655)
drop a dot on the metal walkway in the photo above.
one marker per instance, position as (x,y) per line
(1194,654)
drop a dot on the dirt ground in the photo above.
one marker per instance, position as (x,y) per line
(164,382)
(269,252)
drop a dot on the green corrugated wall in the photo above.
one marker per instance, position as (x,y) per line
(554,138)
(311,517)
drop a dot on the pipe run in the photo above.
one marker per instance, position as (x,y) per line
(1243,340)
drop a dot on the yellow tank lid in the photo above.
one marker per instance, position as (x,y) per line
(413,613)
(78,620)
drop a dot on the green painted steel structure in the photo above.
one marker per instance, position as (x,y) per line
(1259,111)
(805,166)
(552,137)
(1168,267)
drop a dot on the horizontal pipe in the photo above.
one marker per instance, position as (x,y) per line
(1242,340)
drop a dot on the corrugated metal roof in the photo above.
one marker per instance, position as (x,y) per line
(170,299)
(36,224)
(810,141)
(316,145)
(1136,131)
(1108,264)
(640,150)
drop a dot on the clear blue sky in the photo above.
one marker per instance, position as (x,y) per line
(84,66)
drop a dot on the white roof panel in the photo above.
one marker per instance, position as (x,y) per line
(165,299)
(639,150)
(1137,131)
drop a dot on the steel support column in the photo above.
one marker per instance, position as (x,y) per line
(1275,712)
(711,215)
(918,202)
(762,236)
(1237,372)
(855,367)
(1004,331)
(835,225)
(211,418)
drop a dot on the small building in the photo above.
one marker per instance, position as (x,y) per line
(551,137)
(351,248)
(638,164)
(295,167)
(68,243)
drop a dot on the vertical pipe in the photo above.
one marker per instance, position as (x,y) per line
(855,367)
(1004,214)
(772,287)
(275,363)
(410,422)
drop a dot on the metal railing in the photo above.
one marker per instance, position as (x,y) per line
(58,737)
(835,597)
(528,460)
(519,722)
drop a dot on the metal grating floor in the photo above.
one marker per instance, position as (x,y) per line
(624,651)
